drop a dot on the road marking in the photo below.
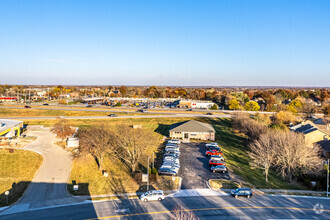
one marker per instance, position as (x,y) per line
(204,209)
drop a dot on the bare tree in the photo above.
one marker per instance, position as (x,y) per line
(62,128)
(294,156)
(263,152)
(130,143)
(181,214)
(96,141)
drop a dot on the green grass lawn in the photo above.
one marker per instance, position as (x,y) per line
(235,150)
(17,169)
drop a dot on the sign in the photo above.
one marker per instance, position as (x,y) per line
(75,187)
(7,193)
(144,177)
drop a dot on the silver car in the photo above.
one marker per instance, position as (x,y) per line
(153,195)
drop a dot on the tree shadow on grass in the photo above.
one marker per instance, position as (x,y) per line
(163,129)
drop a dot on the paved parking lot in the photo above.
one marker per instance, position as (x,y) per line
(194,169)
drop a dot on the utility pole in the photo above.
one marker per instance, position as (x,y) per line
(148,175)
(153,160)
(328,178)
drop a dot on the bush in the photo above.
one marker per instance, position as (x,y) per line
(214,107)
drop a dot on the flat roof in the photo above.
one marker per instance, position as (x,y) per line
(7,123)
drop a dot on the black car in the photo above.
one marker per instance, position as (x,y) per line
(209,113)
(27,106)
(219,169)
(113,115)
(88,106)
(247,192)
(45,104)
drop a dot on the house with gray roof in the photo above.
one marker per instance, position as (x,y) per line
(192,130)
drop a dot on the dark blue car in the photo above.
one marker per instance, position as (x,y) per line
(247,192)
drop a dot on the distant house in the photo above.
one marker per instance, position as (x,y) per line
(310,131)
(325,147)
(192,130)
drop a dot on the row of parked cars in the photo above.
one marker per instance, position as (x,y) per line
(216,161)
(171,161)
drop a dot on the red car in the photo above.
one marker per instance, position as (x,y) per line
(213,152)
(216,163)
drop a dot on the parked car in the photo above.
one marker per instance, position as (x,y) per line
(171,155)
(169,158)
(216,163)
(177,148)
(219,169)
(211,144)
(189,110)
(113,115)
(242,192)
(27,106)
(217,157)
(167,171)
(175,152)
(153,195)
(174,141)
(213,152)
(142,110)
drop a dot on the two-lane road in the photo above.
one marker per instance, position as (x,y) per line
(209,207)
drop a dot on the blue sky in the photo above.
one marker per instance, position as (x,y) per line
(169,42)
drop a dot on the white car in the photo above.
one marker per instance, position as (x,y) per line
(217,157)
(153,196)
(212,144)
(174,141)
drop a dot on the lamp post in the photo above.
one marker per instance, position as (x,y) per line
(328,178)
(7,195)
(153,160)
(148,175)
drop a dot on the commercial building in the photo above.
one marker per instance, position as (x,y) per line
(195,104)
(192,130)
(10,128)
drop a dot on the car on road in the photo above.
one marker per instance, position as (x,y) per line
(209,113)
(89,106)
(27,106)
(213,152)
(45,104)
(247,192)
(142,110)
(166,171)
(113,115)
(154,195)
(189,110)
(216,163)
(174,141)
(219,169)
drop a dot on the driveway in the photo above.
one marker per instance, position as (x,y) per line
(194,169)
(48,187)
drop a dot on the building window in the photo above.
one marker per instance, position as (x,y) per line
(193,135)
(177,132)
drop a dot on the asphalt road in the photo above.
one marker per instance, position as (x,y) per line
(211,207)
(195,171)
(132,116)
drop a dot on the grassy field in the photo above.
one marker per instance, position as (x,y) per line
(234,147)
(17,169)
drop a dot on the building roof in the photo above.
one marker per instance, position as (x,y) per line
(191,126)
(7,123)
(325,145)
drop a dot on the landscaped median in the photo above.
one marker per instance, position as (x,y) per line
(17,169)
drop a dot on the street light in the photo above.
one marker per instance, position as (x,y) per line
(7,195)
(148,175)
(328,178)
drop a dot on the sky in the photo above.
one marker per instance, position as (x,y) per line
(165,42)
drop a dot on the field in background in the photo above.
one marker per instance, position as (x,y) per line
(17,169)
